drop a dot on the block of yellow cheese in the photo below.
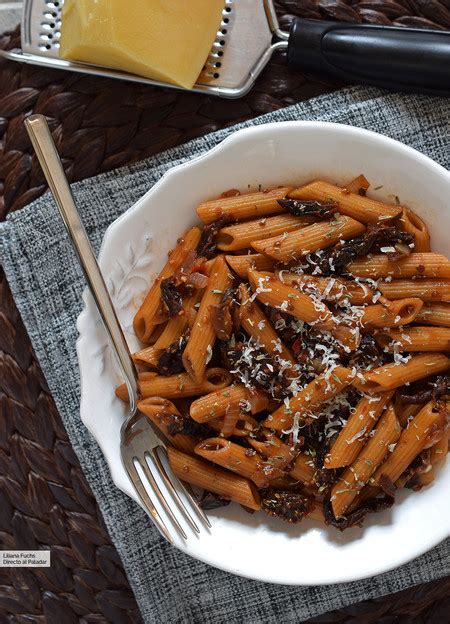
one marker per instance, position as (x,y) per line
(166,40)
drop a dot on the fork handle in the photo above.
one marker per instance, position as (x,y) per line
(50,162)
(409,59)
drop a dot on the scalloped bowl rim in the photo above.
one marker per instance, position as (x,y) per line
(118,475)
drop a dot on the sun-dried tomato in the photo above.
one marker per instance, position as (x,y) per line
(289,505)
(171,297)
(305,207)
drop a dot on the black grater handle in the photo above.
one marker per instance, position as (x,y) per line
(409,59)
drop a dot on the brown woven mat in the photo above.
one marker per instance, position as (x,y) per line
(45,501)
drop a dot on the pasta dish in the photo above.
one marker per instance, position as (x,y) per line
(296,352)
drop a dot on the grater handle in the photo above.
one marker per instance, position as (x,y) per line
(408,59)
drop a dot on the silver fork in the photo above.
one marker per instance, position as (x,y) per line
(136,430)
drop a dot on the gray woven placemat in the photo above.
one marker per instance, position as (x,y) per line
(10,14)
(47,285)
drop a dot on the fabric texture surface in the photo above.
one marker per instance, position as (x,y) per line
(47,284)
(10,15)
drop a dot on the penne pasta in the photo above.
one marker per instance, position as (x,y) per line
(274,293)
(414,339)
(355,432)
(202,337)
(410,222)
(159,412)
(415,480)
(321,389)
(435,314)
(406,412)
(241,264)
(230,419)
(417,367)
(177,386)
(291,301)
(353,205)
(201,474)
(161,320)
(425,289)
(148,356)
(438,451)
(244,426)
(317,513)
(246,206)
(171,332)
(238,459)
(303,469)
(423,479)
(177,325)
(397,374)
(359,185)
(235,237)
(328,288)
(216,404)
(272,447)
(355,477)
(281,483)
(391,314)
(293,245)
(369,492)
(256,324)
(423,431)
(144,322)
(322,331)
(415,265)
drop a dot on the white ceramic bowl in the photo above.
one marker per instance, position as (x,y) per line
(134,250)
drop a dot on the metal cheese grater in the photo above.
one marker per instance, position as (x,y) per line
(399,58)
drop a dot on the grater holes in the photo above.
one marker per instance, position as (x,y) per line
(49,34)
(211,70)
